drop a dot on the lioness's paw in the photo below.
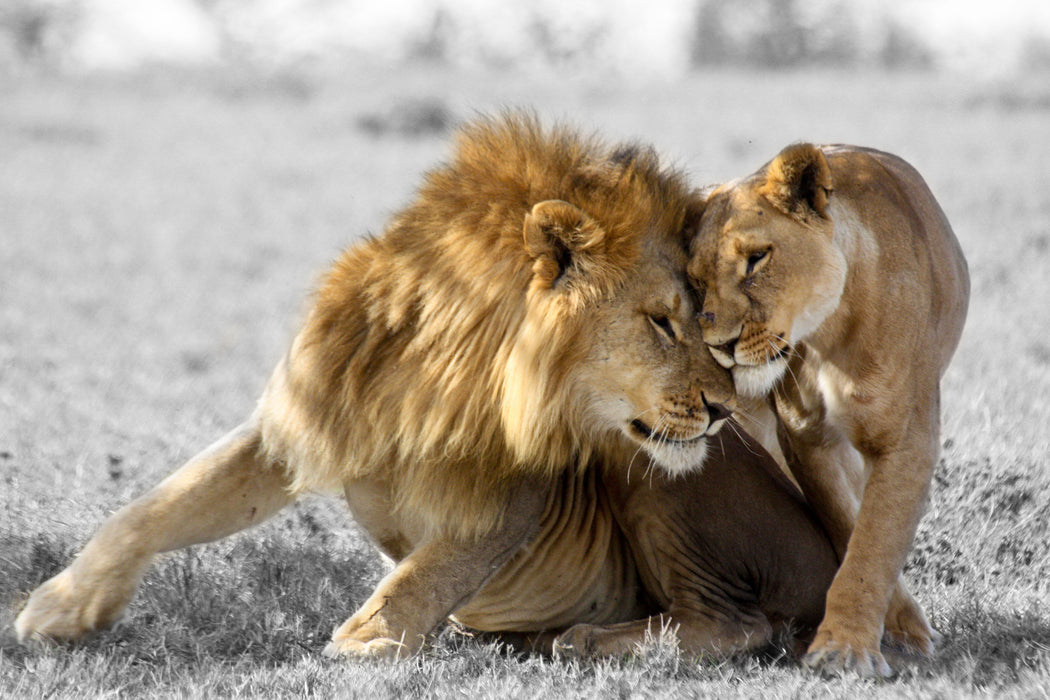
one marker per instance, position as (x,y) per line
(907,629)
(380,649)
(833,656)
(57,612)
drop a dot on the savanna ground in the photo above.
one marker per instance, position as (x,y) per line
(158,238)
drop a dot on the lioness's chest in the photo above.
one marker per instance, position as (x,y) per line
(837,391)
(817,397)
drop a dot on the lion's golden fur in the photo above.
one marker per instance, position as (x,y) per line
(480,381)
(432,354)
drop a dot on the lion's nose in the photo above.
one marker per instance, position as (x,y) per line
(717,411)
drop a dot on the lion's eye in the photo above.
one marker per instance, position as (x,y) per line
(754,259)
(663,325)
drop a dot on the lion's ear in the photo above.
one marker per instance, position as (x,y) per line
(556,232)
(799,180)
(694,211)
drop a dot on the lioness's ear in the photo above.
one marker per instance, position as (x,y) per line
(799,179)
(555,233)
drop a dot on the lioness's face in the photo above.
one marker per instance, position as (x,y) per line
(646,372)
(765,279)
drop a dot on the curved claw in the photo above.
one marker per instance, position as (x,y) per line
(922,646)
(866,663)
(906,628)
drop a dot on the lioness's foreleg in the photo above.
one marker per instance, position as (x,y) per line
(226,488)
(697,633)
(906,626)
(436,578)
(860,596)
(871,529)
(837,502)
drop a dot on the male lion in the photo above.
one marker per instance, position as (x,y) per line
(845,309)
(479,381)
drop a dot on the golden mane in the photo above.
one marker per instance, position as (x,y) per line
(435,354)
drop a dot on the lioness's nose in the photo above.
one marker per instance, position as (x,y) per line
(727,348)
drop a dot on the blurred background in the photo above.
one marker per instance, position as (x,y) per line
(659,38)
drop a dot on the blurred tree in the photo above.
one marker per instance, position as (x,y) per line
(30,28)
(902,49)
(778,33)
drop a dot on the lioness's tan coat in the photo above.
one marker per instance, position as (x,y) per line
(833,283)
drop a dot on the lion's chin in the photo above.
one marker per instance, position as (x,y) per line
(758,380)
(677,458)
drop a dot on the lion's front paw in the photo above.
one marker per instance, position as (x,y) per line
(837,653)
(907,628)
(372,638)
(381,649)
(57,611)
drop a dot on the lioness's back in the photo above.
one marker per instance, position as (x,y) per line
(895,204)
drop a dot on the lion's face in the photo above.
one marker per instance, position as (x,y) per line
(647,373)
(764,264)
(628,356)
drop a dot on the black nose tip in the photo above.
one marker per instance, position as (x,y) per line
(717,411)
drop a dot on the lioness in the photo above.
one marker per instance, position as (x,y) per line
(479,381)
(831,281)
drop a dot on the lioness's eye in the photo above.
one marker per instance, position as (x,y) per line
(754,259)
(663,324)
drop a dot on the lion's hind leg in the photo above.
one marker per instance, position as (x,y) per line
(224,489)
(696,633)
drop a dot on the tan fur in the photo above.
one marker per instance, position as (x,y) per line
(527,316)
(833,283)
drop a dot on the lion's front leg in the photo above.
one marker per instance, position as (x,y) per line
(435,579)
(224,489)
